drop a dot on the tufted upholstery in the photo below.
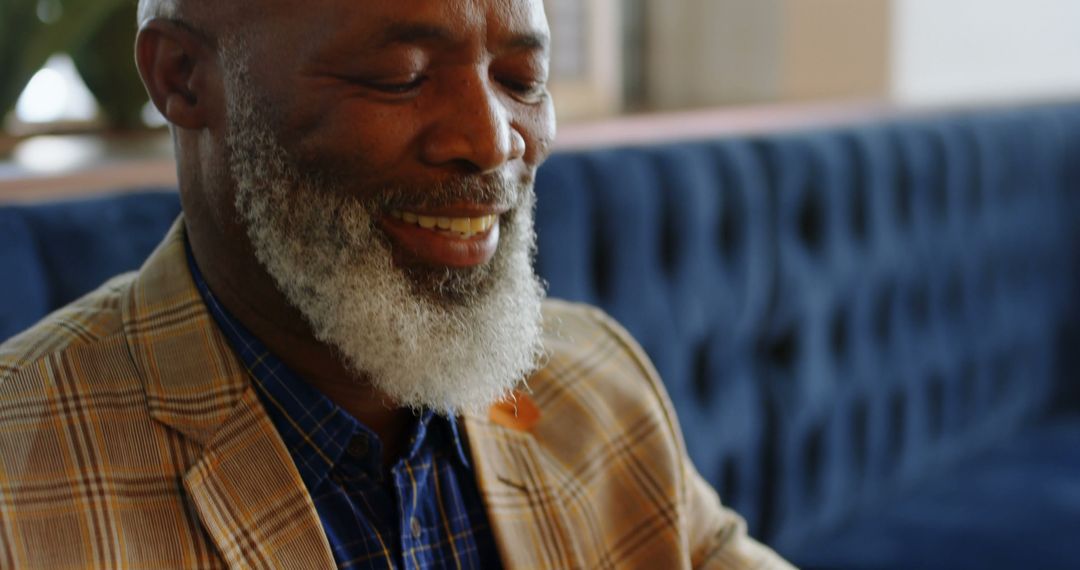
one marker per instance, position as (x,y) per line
(869,333)
(60,251)
(842,316)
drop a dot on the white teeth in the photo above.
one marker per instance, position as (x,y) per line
(465,227)
(460,225)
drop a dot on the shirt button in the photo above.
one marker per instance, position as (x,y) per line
(414,525)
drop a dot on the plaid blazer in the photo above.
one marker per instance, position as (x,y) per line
(131,437)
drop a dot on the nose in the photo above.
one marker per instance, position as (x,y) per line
(474,131)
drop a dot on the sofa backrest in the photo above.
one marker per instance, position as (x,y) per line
(835,314)
(57,252)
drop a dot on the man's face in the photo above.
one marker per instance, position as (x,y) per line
(391,93)
(383,153)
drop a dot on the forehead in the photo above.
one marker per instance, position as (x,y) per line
(372,21)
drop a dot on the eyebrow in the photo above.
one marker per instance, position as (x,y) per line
(531,41)
(416,33)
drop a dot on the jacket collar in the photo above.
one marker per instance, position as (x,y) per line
(193,380)
(244,486)
(523,487)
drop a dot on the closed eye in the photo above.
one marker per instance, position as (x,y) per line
(396,87)
(527,90)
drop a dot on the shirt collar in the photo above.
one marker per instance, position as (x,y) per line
(315,429)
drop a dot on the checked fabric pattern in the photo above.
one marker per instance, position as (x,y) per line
(131,437)
(423,512)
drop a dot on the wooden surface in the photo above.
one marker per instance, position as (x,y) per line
(115,177)
(68,166)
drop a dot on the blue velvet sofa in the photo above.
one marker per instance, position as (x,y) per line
(870,333)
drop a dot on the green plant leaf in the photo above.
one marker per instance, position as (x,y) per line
(19,24)
(31,42)
(106,62)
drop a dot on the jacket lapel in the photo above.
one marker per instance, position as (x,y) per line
(523,490)
(251,498)
(243,485)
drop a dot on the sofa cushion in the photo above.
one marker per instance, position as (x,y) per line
(84,243)
(1015,507)
(24,288)
(62,250)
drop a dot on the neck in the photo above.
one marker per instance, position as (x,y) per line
(248,292)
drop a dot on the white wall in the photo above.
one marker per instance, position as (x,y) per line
(962,51)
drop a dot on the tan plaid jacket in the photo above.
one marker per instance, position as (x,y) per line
(131,437)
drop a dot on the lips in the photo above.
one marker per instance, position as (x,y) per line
(459,237)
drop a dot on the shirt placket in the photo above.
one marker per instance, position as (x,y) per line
(407,480)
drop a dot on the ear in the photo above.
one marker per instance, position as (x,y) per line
(176,65)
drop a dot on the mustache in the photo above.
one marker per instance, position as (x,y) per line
(485,189)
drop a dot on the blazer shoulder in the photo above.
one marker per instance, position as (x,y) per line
(91,319)
(595,370)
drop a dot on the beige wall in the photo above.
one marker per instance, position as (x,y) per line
(707,52)
(835,49)
(712,52)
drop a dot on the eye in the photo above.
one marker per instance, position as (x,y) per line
(527,90)
(406,86)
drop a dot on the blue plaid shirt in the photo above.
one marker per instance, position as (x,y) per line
(425,513)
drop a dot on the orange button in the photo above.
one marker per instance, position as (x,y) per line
(519,413)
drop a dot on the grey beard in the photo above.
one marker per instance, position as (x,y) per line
(450,340)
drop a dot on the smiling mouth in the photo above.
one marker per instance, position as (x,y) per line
(452,238)
(459,227)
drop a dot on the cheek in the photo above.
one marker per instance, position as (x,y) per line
(539,130)
(356,139)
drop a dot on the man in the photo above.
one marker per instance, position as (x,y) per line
(340,355)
